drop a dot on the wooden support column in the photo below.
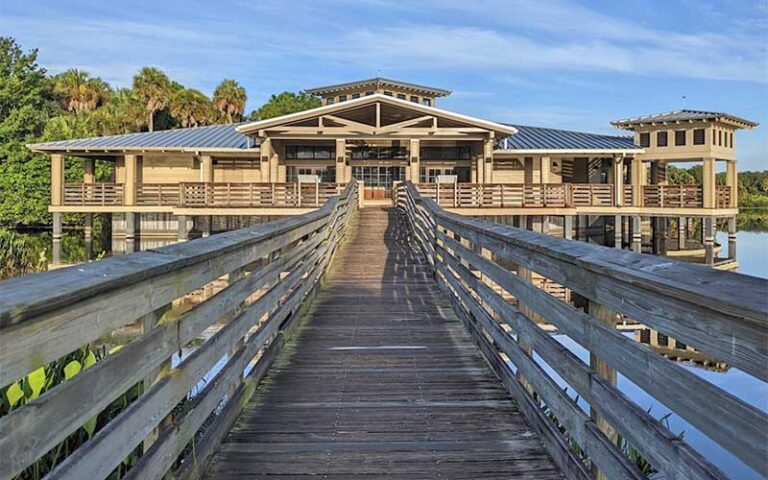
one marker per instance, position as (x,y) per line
(88,170)
(88,235)
(131,221)
(480,165)
(604,370)
(57,179)
(708,225)
(708,182)
(488,160)
(57,232)
(415,156)
(617,233)
(568,227)
(266,155)
(131,178)
(637,234)
(341,160)
(206,224)
(682,224)
(732,181)
(206,167)
(732,237)
(182,225)
(618,181)
(639,174)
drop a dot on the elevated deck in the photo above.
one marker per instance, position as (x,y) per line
(381,381)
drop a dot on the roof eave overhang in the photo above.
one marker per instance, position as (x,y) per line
(569,151)
(119,150)
(255,127)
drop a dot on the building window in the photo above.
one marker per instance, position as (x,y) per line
(462,152)
(414,99)
(645,336)
(645,140)
(679,138)
(330,101)
(309,152)
(326,174)
(379,153)
(662,339)
(401,96)
(680,345)
(698,136)
(731,139)
(342,98)
(355,95)
(389,94)
(720,138)
(368,93)
(427,102)
(661,139)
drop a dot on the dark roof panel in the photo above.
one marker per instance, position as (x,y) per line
(540,138)
(681,116)
(211,137)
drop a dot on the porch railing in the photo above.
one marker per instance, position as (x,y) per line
(93,194)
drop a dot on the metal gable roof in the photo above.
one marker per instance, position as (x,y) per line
(377,81)
(681,116)
(213,137)
(540,138)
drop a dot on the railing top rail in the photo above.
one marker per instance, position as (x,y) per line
(26,297)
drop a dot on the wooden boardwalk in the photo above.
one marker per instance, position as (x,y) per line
(381,381)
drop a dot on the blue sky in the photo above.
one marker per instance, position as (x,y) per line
(552,63)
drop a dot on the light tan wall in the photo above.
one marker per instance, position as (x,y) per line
(363,91)
(170,169)
(689,151)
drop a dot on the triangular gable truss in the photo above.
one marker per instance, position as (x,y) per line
(376,116)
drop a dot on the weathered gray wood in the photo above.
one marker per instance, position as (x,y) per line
(27,433)
(43,338)
(670,455)
(604,454)
(722,314)
(380,380)
(735,424)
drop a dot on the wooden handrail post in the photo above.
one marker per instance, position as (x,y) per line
(149,322)
(604,370)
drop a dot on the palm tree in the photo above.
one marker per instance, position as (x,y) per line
(153,88)
(191,108)
(123,113)
(229,98)
(80,92)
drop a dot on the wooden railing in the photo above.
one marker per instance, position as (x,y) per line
(722,196)
(673,196)
(158,194)
(257,194)
(93,194)
(271,270)
(486,271)
(507,195)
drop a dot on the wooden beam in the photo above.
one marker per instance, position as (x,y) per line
(406,123)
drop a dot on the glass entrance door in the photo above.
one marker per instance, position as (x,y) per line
(378,180)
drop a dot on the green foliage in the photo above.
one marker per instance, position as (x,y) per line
(18,256)
(753,186)
(229,99)
(285,103)
(192,108)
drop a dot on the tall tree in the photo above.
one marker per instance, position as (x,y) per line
(154,89)
(229,98)
(191,108)
(285,103)
(123,113)
(27,101)
(79,91)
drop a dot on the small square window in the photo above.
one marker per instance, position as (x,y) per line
(679,138)
(342,98)
(389,94)
(401,96)
(645,140)
(330,101)
(427,102)
(368,93)
(355,95)
(698,136)
(662,139)
(414,99)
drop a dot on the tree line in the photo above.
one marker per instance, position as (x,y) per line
(36,106)
(753,186)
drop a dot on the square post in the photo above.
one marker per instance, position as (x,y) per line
(341,160)
(682,224)
(57,179)
(732,181)
(415,158)
(617,234)
(637,234)
(639,174)
(265,149)
(57,231)
(709,240)
(732,237)
(131,178)
(206,167)
(708,183)
(568,227)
